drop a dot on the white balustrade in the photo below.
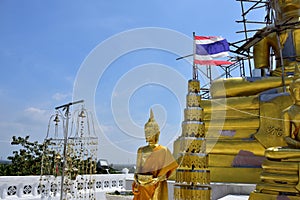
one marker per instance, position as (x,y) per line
(30,187)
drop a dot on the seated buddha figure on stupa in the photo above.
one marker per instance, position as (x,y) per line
(280,176)
(243,117)
(283,38)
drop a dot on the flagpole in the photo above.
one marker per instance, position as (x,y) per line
(195,71)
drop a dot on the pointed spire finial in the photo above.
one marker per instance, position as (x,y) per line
(151,127)
(151,115)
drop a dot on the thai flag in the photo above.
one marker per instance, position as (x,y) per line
(208,48)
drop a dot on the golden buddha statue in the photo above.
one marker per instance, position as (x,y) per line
(281,169)
(244,116)
(286,27)
(154,165)
(283,38)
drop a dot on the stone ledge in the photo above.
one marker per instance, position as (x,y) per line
(219,190)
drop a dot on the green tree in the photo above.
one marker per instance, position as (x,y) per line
(26,161)
(4,169)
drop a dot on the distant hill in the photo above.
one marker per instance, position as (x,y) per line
(5,162)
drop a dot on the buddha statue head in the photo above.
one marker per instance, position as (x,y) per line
(152,130)
(286,9)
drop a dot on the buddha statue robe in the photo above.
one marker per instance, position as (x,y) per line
(155,164)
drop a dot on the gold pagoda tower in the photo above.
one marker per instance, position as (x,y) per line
(192,175)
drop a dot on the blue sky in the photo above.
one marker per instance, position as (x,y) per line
(44,45)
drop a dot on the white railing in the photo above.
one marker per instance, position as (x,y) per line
(32,187)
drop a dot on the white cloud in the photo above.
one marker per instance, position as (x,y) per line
(35,116)
(32,110)
(59,96)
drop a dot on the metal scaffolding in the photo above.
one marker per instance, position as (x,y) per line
(242,49)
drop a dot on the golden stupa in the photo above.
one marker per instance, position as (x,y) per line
(192,176)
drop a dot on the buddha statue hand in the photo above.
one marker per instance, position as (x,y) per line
(144,180)
(158,179)
(292,142)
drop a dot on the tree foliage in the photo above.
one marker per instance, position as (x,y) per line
(25,161)
(28,161)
